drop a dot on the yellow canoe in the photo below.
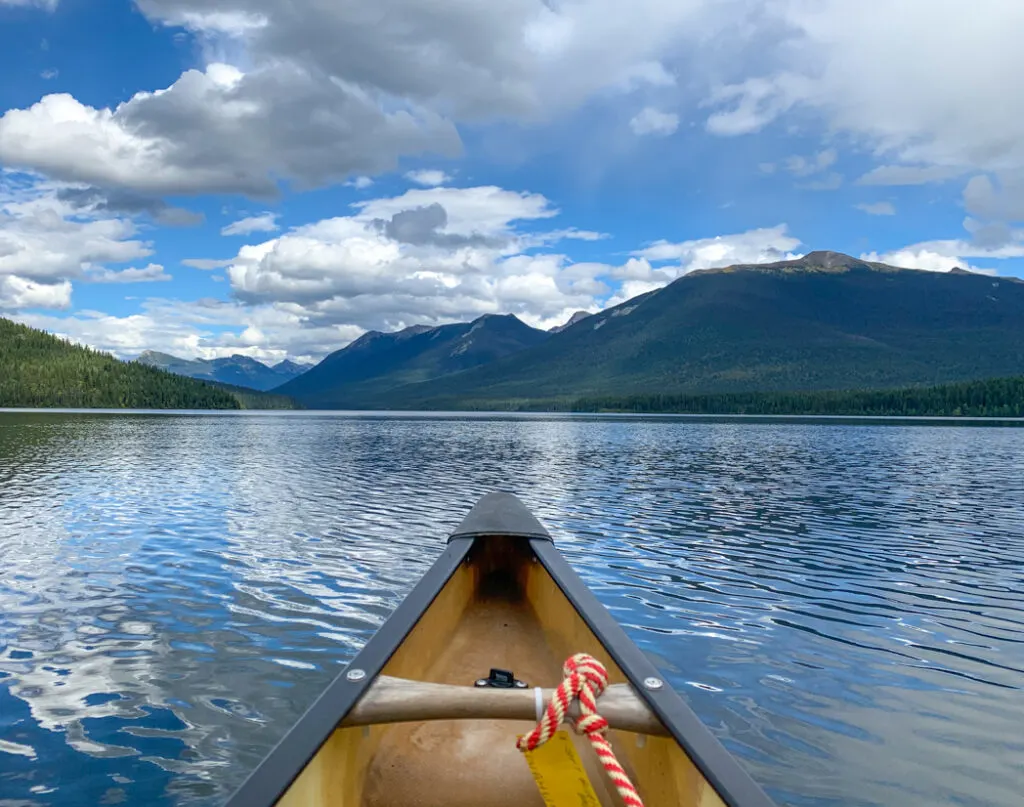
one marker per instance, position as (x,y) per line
(429,712)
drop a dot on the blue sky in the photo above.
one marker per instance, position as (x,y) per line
(276,178)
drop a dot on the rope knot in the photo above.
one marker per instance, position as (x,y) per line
(589,669)
(592,724)
(585,678)
(589,679)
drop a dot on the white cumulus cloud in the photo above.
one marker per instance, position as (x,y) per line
(482,211)
(263,223)
(153,273)
(640,275)
(313,94)
(429,177)
(508,58)
(221,130)
(906,99)
(18,292)
(206,329)
(943,255)
(763,245)
(428,256)
(45,243)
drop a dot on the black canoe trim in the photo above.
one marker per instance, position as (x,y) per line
(268,782)
(720,768)
(500,514)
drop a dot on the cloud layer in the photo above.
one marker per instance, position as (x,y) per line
(203,328)
(46,242)
(222,131)
(321,93)
(427,256)
(307,94)
(329,92)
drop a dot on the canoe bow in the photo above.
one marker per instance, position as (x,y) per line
(501,557)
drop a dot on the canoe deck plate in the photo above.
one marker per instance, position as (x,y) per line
(501,679)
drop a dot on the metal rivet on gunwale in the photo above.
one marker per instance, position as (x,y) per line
(653,683)
(355,675)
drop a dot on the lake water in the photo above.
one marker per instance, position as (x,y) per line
(843,605)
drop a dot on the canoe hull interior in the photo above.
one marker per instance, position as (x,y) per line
(500,608)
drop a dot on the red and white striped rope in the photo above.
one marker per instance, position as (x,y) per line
(585,678)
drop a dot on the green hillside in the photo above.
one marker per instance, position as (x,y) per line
(377,363)
(38,369)
(824,322)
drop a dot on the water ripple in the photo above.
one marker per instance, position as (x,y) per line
(839,603)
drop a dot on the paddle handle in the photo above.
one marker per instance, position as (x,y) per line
(398,700)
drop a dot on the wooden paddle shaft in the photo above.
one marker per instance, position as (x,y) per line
(397,700)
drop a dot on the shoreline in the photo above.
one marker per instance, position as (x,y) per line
(477,414)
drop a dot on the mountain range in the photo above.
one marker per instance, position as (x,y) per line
(826,321)
(377,364)
(763,337)
(237,370)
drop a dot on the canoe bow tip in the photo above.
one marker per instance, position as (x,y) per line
(500,513)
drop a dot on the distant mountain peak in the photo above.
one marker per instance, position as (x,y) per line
(496,318)
(365,339)
(240,360)
(371,337)
(289,366)
(239,370)
(499,324)
(820,260)
(414,330)
(579,315)
(827,259)
(828,262)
